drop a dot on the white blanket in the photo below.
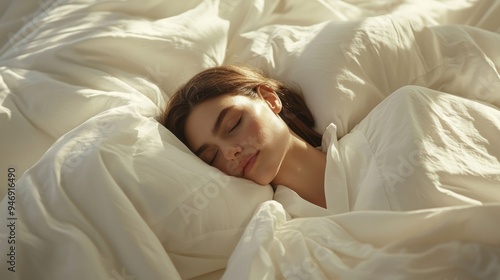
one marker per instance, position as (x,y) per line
(418,150)
(102,191)
(421,149)
(444,243)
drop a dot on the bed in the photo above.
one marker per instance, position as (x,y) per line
(93,187)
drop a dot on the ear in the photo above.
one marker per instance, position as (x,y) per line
(270,97)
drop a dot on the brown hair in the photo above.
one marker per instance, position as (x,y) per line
(216,81)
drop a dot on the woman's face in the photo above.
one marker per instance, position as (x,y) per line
(241,136)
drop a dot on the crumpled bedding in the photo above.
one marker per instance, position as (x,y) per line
(441,243)
(102,191)
(422,170)
(418,149)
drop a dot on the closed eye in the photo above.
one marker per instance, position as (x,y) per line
(214,158)
(235,125)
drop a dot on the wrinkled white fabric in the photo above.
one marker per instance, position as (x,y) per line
(420,149)
(104,192)
(439,243)
(419,192)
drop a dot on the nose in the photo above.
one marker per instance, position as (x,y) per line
(231,151)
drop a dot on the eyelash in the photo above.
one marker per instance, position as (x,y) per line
(213,159)
(236,125)
(217,152)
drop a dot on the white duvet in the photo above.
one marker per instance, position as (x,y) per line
(417,150)
(102,191)
(445,243)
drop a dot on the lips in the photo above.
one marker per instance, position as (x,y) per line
(247,164)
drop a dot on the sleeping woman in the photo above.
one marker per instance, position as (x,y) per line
(250,126)
(254,127)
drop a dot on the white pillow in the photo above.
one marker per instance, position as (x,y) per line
(87,58)
(119,180)
(346,68)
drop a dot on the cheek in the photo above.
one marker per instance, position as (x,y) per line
(266,132)
(228,167)
(250,135)
(256,137)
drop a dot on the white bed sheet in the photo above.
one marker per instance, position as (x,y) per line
(424,156)
(445,243)
(104,192)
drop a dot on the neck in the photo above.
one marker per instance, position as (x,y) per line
(303,170)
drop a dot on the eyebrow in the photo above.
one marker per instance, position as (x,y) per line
(215,129)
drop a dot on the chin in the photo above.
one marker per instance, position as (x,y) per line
(262,180)
(264,171)
(258,181)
